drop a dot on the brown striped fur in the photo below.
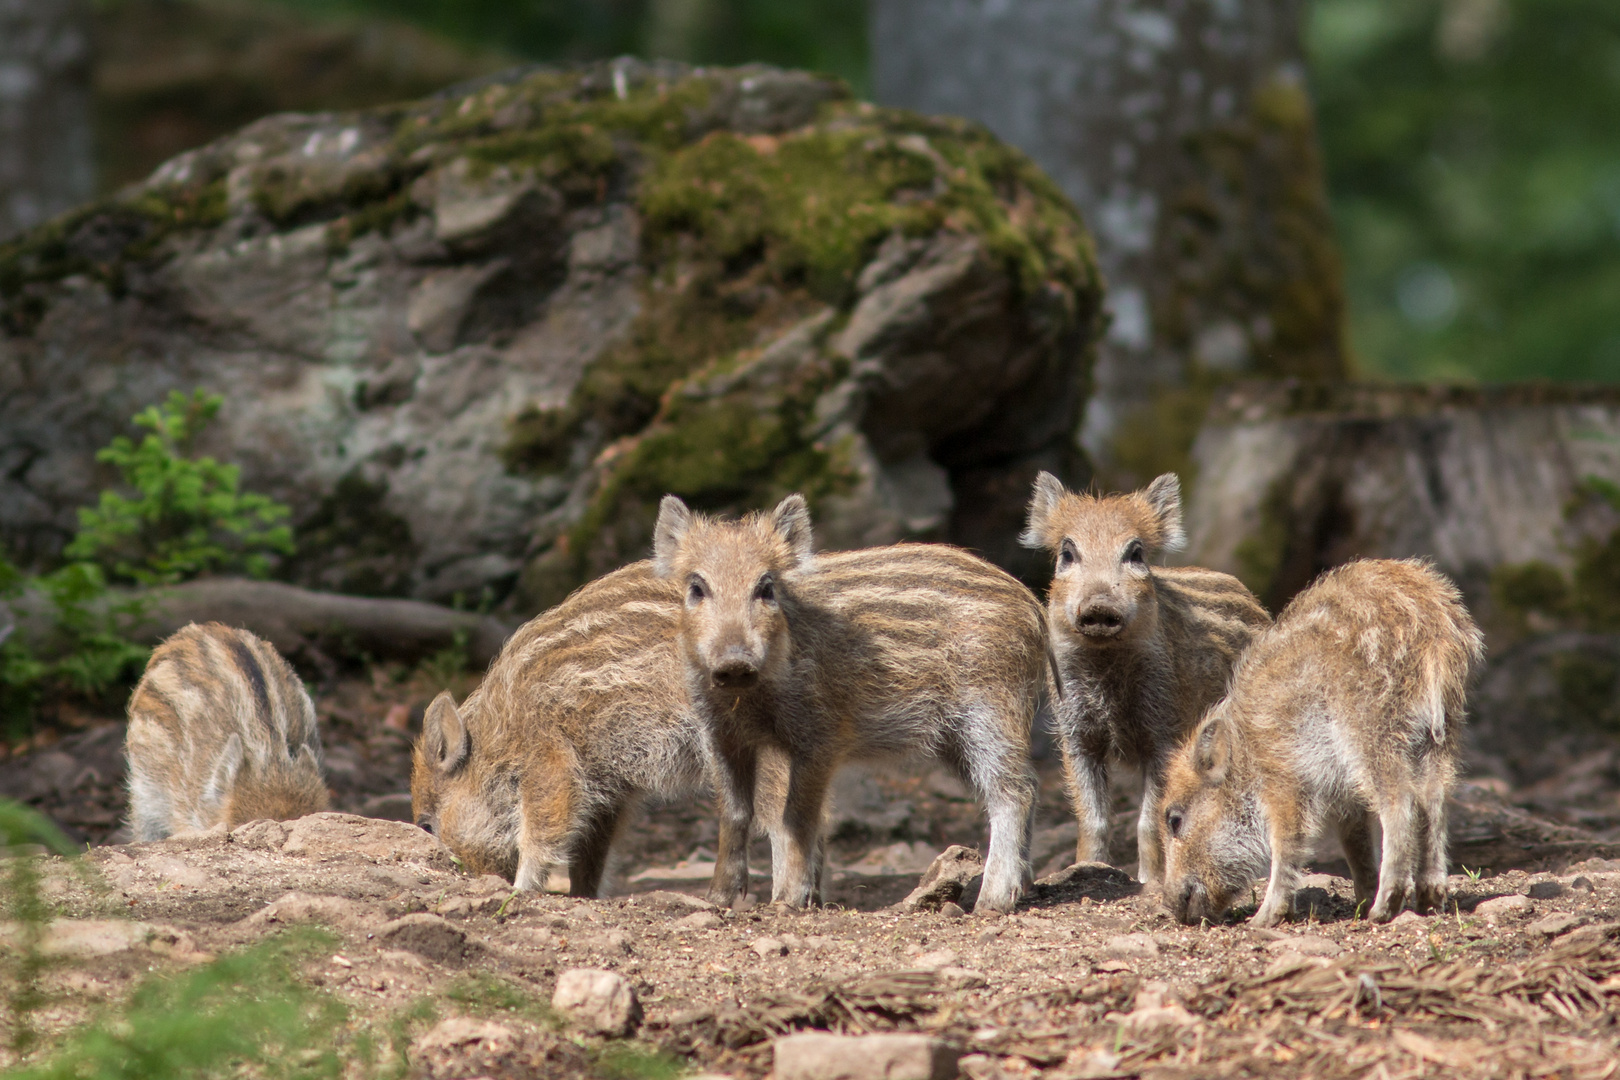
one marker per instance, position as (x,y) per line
(1141,650)
(220,730)
(582,715)
(883,653)
(1349,708)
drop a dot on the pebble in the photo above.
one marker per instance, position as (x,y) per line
(1500,906)
(933,961)
(819,1056)
(1543,890)
(1553,925)
(698,920)
(1306,945)
(768,947)
(1133,946)
(601,1002)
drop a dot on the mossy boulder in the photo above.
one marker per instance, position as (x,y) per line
(472,339)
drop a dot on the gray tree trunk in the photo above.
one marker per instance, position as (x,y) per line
(1183,132)
(46,146)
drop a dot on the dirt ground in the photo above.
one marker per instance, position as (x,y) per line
(1089,978)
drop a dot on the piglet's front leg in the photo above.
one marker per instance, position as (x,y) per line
(735,779)
(1279,902)
(798,882)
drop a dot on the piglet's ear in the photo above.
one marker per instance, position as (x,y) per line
(674,519)
(445,737)
(1212,750)
(226,769)
(791,520)
(1164,496)
(1042,503)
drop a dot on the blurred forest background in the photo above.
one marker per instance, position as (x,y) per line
(1471,147)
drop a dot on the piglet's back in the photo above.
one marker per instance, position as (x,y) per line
(931,604)
(915,623)
(220,729)
(601,667)
(1391,631)
(1208,619)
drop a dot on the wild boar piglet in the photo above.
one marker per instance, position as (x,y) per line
(887,652)
(581,717)
(1350,708)
(1141,650)
(220,730)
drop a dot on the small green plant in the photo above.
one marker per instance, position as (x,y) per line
(244,1014)
(188,516)
(22,833)
(484,994)
(627,1061)
(442,667)
(1438,951)
(88,652)
(1475,874)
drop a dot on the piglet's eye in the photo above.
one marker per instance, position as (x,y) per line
(1067,556)
(426,825)
(1133,553)
(695,592)
(1173,821)
(765,590)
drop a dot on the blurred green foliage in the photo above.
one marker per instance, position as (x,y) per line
(820,35)
(188,516)
(244,1014)
(1473,152)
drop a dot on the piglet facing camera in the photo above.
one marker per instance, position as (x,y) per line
(884,653)
(1350,708)
(1141,651)
(220,730)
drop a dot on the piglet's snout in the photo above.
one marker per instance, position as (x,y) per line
(735,669)
(1100,617)
(1189,902)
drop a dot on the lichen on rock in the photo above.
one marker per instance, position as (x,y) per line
(518,312)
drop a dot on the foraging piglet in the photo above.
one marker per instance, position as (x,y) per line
(882,653)
(220,730)
(581,716)
(1141,651)
(1350,707)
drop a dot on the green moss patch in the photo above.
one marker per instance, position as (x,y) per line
(99,241)
(1585,598)
(353,543)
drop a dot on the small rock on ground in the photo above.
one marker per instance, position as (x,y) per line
(768,947)
(1132,946)
(819,1056)
(1503,906)
(601,1002)
(1305,945)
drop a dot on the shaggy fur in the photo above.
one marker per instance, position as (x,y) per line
(882,653)
(582,714)
(1350,707)
(1141,651)
(220,730)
